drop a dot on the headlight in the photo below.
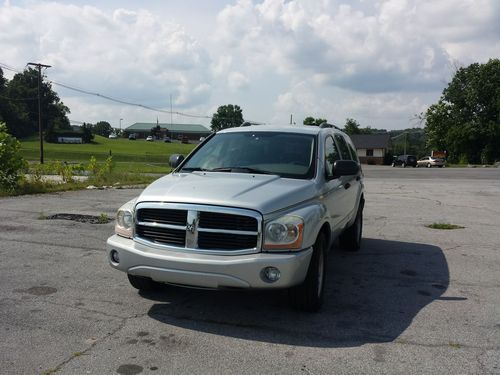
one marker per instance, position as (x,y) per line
(124,223)
(284,233)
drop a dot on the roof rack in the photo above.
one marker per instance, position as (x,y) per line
(327,125)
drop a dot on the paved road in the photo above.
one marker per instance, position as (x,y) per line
(413,300)
(377,171)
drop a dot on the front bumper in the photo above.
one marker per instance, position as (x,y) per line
(207,271)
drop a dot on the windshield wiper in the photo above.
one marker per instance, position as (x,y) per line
(240,170)
(194,169)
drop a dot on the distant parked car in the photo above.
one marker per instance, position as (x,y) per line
(112,136)
(202,139)
(132,137)
(167,140)
(405,161)
(149,138)
(430,162)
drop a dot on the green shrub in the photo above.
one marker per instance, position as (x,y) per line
(12,164)
(99,175)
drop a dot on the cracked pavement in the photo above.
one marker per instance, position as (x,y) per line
(413,300)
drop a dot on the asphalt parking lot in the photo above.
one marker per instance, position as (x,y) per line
(414,300)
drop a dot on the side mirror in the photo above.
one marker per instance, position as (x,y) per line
(345,168)
(175,160)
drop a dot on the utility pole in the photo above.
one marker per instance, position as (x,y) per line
(121,125)
(40,131)
(171,112)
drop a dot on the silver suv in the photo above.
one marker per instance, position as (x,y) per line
(250,207)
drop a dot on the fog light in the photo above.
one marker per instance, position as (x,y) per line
(271,274)
(114,256)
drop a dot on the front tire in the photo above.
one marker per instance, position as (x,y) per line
(429,165)
(308,296)
(350,240)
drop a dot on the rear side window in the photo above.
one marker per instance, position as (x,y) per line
(354,154)
(344,149)
(331,155)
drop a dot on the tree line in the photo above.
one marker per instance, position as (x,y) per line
(19,110)
(465,121)
(19,105)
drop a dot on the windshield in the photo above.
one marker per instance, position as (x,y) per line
(284,154)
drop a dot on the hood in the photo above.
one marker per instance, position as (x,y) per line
(264,193)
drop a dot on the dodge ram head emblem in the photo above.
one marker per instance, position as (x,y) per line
(190,227)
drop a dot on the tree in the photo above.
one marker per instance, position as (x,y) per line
(87,136)
(466,119)
(227,116)
(12,164)
(352,126)
(102,128)
(313,121)
(156,131)
(21,116)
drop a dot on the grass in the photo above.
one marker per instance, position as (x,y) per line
(103,218)
(444,226)
(116,180)
(134,163)
(146,157)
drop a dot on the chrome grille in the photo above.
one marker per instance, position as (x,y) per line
(156,215)
(205,229)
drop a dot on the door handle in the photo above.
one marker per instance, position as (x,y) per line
(347,186)
(358,177)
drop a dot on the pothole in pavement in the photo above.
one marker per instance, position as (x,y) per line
(91,219)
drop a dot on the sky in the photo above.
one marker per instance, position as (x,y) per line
(378,62)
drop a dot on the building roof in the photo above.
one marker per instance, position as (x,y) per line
(370,140)
(177,128)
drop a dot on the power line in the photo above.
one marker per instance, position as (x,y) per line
(5,66)
(120,101)
(8,67)
(128,103)
(16,99)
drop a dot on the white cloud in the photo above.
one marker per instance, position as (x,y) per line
(397,45)
(379,62)
(237,81)
(126,54)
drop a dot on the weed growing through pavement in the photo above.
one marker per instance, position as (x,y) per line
(444,226)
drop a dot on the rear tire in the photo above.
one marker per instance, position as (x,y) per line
(403,165)
(429,165)
(350,240)
(144,284)
(308,296)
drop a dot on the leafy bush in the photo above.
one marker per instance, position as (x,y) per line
(99,173)
(12,165)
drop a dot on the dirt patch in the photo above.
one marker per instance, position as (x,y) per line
(91,219)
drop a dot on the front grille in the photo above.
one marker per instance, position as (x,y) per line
(225,241)
(157,215)
(162,235)
(198,228)
(215,220)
